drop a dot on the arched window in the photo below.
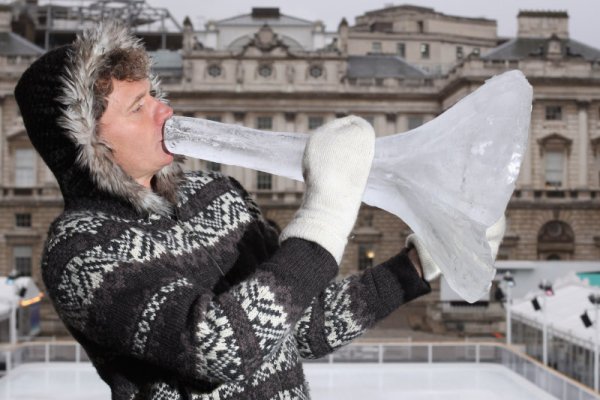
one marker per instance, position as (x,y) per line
(556,241)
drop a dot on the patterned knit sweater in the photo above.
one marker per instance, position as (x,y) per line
(207,304)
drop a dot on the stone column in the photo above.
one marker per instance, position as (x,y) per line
(2,143)
(526,175)
(401,123)
(583,146)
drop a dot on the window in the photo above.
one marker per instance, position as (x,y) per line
(25,168)
(214,70)
(22,260)
(216,118)
(314,122)
(553,113)
(23,220)
(555,241)
(213,166)
(401,49)
(554,163)
(382,27)
(370,119)
(365,256)
(316,71)
(264,123)
(459,53)
(376,47)
(424,50)
(414,122)
(264,181)
(476,51)
(265,71)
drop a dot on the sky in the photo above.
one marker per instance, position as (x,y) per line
(583,14)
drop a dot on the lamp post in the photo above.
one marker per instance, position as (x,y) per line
(595,300)
(546,287)
(509,283)
(370,257)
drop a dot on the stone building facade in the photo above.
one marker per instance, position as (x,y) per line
(425,38)
(271,81)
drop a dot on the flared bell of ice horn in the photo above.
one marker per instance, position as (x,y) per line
(449,179)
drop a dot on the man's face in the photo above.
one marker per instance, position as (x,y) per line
(132,125)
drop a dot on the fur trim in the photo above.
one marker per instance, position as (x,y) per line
(86,59)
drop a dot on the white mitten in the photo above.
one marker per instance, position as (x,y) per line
(431,270)
(336,164)
(494,235)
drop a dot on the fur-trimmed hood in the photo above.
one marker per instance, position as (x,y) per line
(56,99)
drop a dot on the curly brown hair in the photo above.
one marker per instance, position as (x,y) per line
(122,65)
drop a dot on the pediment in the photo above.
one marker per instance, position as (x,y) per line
(266,41)
(17,133)
(555,139)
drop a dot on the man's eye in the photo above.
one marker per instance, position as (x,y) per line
(153,93)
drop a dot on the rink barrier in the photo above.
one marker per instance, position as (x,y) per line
(549,380)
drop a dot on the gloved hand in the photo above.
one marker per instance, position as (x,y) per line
(336,164)
(431,270)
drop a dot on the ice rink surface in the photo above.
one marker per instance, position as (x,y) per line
(407,381)
(420,381)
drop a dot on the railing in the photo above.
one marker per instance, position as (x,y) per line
(543,377)
(46,352)
(547,379)
(264,197)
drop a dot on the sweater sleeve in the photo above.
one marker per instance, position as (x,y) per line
(125,305)
(345,309)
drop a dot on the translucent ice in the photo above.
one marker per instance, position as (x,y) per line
(449,179)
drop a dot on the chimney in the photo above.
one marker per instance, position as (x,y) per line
(543,24)
(265,12)
(5,18)
(343,36)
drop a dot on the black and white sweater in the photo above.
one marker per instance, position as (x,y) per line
(182,291)
(207,305)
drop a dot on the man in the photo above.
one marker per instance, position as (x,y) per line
(174,283)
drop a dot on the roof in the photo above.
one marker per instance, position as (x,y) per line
(539,14)
(382,66)
(422,10)
(564,309)
(10,288)
(12,44)
(248,19)
(520,48)
(404,7)
(593,278)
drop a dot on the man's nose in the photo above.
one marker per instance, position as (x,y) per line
(164,112)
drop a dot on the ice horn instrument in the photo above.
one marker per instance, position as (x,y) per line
(449,179)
